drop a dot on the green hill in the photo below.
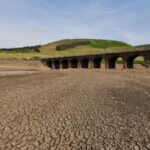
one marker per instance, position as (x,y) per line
(67,47)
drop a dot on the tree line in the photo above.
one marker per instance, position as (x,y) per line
(22,49)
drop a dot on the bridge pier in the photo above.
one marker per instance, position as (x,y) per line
(106,63)
(147,60)
(91,63)
(52,65)
(124,63)
(110,63)
(97,62)
(48,63)
(128,63)
(79,63)
(73,63)
(64,64)
(57,64)
(69,63)
(85,63)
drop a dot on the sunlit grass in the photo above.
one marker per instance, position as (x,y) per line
(21,56)
(49,50)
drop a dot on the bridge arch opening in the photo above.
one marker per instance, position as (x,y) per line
(119,63)
(97,62)
(103,63)
(134,61)
(139,60)
(85,63)
(65,64)
(74,63)
(56,64)
(112,62)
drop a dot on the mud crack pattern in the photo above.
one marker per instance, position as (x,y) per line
(75,110)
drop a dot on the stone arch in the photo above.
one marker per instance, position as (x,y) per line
(97,62)
(49,64)
(139,61)
(56,64)
(85,63)
(130,61)
(65,64)
(147,60)
(74,63)
(112,62)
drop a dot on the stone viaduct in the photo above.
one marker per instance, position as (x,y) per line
(94,61)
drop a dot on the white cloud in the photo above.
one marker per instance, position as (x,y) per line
(137,38)
(43,22)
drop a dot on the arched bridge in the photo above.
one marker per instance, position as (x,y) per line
(94,61)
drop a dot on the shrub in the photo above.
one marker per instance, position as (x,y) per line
(72,45)
(22,49)
(106,44)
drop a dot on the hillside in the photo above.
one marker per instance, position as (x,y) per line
(147,46)
(67,47)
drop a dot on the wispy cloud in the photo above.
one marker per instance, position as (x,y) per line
(33,22)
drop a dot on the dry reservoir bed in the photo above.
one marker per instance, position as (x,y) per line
(75,109)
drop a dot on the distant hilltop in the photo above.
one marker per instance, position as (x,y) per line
(68,47)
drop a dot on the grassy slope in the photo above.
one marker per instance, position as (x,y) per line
(100,46)
(49,50)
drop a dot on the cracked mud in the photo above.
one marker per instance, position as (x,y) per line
(75,110)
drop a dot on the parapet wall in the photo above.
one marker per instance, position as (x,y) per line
(94,61)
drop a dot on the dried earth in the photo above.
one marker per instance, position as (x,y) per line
(75,109)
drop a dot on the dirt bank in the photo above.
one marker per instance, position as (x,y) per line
(22,65)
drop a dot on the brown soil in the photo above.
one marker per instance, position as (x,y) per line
(21,65)
(76,109)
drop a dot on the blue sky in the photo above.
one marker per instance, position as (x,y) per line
(32,22)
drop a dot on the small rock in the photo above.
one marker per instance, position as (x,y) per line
(148,146)
(54,135)
(136,148)
(36,144)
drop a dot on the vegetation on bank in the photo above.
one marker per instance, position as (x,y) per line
(68,47)
(72,44)
(99,44)
(22,49)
